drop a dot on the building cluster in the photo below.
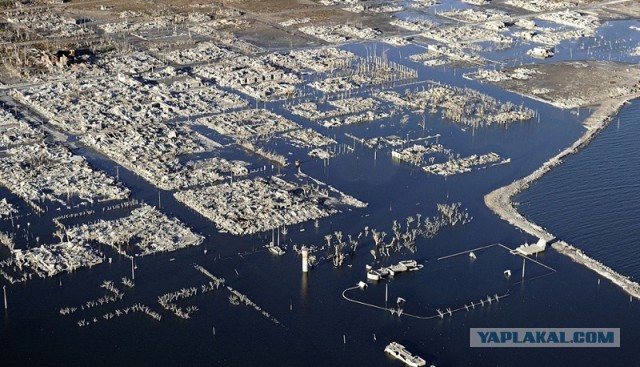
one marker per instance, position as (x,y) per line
(132,62)
(339,107)
(379,142)
(252,76)
(253,128)
(435,159)
(131,122)
(358,118)
(340,33)
(461,165)
(144,231)
(307,138)
(151,150)
(372,71)
(439,54)
(259,204)
(416,154)
(318,60)
(468,34)
(471,15)
(50,260)
(50,172)
(461,105)
(522,73)
(79,106)
(48,23)
(253,124)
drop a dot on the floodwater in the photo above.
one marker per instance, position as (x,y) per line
(320,328)
(598,190)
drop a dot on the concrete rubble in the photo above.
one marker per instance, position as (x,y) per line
(540,5)
(307,138)
(521,73)
(201,53)
(144,231)
(359,118)
(6,209)
(573,19)
(438,54)
(48,261)
(319,60)
(14,132)
(541,52)
(476,15)
(51,172)
(346,106)
(372,71)
(251,76)
(133,62)
(48,23)
(379,142)
(462,165)
(114,101)
(152,151)
(260,204)
(340,33)
(253,124)
(294,21)
(461,105)
(468,34)
(415,154)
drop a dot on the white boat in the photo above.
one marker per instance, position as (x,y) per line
(373,275)
(396,269)
(273,247)
(384,272)
(404,265)
(399,352)
(533,249)
(409,263)
(276,250)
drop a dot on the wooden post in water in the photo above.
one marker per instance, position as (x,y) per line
(4,290)
(386,292)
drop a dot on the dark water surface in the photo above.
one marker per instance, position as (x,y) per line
(590,201)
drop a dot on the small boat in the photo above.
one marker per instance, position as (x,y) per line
(384,272)
(373,275)
(399,352)
(276,250)
(404,265)
(396,269)
(409,263)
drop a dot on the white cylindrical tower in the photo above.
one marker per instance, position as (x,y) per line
(305,259)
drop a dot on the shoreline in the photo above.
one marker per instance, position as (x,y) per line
(500,200)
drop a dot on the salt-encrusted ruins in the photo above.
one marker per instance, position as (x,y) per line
(259,204)
(140,139)
(144,231)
